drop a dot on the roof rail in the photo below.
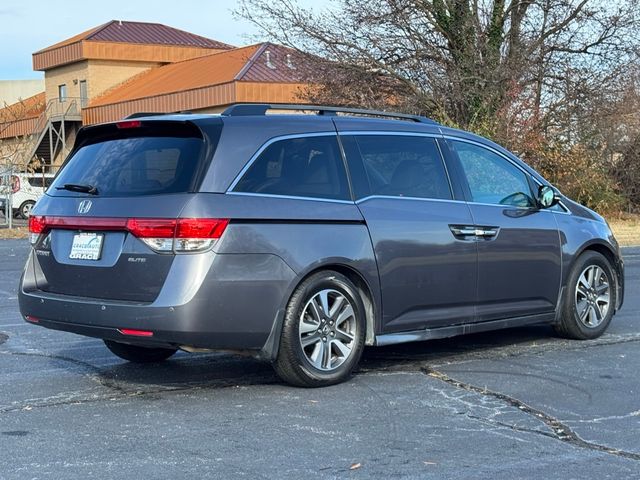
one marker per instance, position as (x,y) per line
(246,109)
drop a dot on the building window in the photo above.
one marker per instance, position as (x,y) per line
(62,92)
(84,96)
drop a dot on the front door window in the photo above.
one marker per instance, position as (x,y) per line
(492,179)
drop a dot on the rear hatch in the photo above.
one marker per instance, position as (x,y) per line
(107,227)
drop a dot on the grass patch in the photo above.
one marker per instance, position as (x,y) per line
(17,232)
(626,229)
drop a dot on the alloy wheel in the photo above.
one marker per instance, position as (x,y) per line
(592,296)
(327,329)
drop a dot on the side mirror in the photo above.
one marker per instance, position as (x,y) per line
(547,196)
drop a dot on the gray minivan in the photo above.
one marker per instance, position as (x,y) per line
(303,238)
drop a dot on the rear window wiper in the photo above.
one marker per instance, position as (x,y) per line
(74,187)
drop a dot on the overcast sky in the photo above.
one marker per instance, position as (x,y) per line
(30,25)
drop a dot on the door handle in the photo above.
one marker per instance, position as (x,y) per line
(462,231)
(472,232)
(486,231)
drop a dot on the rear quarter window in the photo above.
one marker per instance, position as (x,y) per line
(298,167)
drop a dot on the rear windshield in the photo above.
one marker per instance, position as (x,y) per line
(133,166)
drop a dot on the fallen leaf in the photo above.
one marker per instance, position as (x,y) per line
(355,466)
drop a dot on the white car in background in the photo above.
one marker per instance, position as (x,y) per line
(26,188)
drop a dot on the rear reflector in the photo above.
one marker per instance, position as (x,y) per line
(135,333)
(31,319)
(160,234)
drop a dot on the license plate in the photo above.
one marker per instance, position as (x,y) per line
(86,246)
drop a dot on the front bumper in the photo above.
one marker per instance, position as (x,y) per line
(229,302)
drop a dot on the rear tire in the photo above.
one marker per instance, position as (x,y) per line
(137,354)
(590,298)
(323,332)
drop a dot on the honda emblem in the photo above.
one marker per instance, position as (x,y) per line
(84,206)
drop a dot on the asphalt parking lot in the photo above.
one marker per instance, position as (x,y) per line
(513,404)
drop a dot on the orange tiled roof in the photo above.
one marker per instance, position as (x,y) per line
(211,69)
(30,107)
(246,63)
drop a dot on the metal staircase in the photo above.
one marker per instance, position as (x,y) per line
(59,120)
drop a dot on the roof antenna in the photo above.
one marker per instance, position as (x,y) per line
(268,62)
(290,63)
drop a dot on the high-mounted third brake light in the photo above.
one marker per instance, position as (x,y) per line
(129,124)
(160,234)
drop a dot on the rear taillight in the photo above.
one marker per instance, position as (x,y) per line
(195,234)
(160,234)
(37,225)
(181,235)
(15,183)
(157,233)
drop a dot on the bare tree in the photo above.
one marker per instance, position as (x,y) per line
(458,60)
(545,77)
(15,131)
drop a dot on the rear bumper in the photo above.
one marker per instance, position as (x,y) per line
(227,302)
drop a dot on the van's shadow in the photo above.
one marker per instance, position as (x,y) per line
(218,370)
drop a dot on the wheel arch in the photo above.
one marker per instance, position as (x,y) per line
(371,304)
(609,253)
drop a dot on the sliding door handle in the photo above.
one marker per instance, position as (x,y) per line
(473,232)
(486,231)
(462,231)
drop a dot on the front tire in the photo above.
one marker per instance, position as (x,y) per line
(323,332)
(590,298)
(137,354)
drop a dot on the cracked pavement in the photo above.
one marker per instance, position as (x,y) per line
(519,403)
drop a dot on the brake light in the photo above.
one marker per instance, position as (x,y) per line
(196,234)
(150,228)
(160,234)
(37,224)
(181,235)
(129,124)
(15,183)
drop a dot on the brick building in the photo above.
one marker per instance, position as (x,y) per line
(120,68)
